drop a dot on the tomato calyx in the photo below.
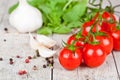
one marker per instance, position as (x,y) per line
(69,46)
(118,27)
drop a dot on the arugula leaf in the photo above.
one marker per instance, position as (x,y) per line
(44,30)
(61,30)
(35,3)
(75,13)
(76,24)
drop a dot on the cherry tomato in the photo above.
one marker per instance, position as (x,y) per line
(107,16)
(94,55)
(116,40)
(106,42)
(78,42)
(109,22)
(87,25)
(69,59)
(95,28)
(108,27)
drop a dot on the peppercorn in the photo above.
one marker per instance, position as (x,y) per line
(6,29)
(34,67)
(44,66)
(4,40)
(29,57)
(22,72)
(10,59)
(27,60)
(17,56)
(1,59)
(11,62)
(46,59)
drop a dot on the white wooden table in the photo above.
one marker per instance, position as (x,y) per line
(18,44)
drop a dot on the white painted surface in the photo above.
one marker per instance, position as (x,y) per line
(17,44)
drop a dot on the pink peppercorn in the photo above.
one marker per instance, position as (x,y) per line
(27,60)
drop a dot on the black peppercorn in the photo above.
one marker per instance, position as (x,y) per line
(6,29)
(11,59)
(46,59)
(1,59)
(4,40)
(44,66)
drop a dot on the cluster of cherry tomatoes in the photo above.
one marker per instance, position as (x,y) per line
(96,39)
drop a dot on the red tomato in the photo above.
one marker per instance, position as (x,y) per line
(94,55)
(87,25)
(106,24)
(116,40)
(106,42)
(108,27)
(107,16)
(87,28)
(78,43)
(69,59)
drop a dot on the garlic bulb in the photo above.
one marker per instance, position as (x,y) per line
(26,18)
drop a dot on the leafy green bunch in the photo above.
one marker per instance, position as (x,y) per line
(59,16)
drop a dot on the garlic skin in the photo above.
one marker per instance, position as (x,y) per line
(26,18)
(45,52)
(42,44)
(33,43)
(46,41)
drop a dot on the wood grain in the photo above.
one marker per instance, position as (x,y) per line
(5,16)
(14,45)
(3,3)
(17,44)
(106,71)
(116,55)
(59,73)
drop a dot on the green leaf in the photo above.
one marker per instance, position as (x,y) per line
(12,8)
(62,30)
(44,30)
(75,13)
(76,24)
(44,8)
(35,3)
(54,16)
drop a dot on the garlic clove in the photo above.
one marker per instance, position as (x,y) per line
(26,18)
(33,42)
(45,52)
(46,41)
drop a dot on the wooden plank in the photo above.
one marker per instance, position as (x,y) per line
(106,71)
(3,3)
(13,45)
(59,73)
(5,16)
(116,55)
